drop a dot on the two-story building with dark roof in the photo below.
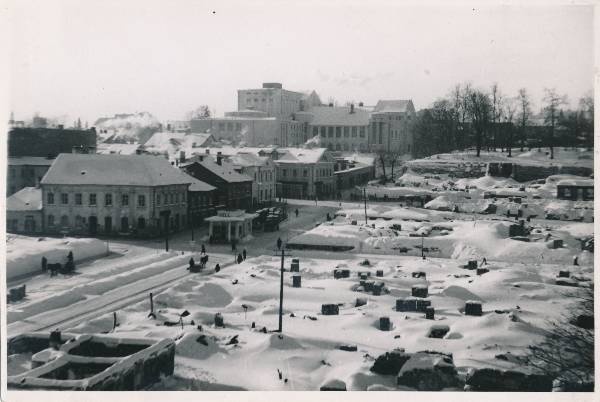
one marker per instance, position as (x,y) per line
(233,190)
(107,194)
(200,202)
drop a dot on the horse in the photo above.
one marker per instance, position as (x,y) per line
(54,268)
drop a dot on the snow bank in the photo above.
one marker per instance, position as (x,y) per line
(24,254)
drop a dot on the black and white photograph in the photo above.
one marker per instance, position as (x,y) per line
(298,196)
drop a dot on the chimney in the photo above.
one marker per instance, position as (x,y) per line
(360,104)
(208,151)
(181,156)
(61,127)
(330,104)
(219,158)
(351,108)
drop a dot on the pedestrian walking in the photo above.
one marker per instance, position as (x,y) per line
(192,263)
(244,254)
(296,212)
(575,261)
(44,264)
(217,268)
(240,259)
(279,243)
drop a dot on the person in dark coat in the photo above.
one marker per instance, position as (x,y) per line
(240,259)
(217,268)
(296,212)
(70,256)
(192,263)
(44,264)
(244,254)
(279,243)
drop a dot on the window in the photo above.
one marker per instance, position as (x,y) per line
(346,132)
(92,199)
(229,126)
(157,199)
(330,132)
(125,200)
(50,198)
(345,147)
(567,192)
(12,173)
(172,198)
(124,224)
(78,199)
(50,220)
(64,221)
(141,201)
(305,172)
(338,132)
(338,147)
(284,172)
(238,126)
(362,132)
(221,126)
(315,130)
(108,200)
(142,222)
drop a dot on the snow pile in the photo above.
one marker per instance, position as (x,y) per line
(24,254)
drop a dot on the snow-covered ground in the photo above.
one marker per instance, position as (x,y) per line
(517,299)
(24,254)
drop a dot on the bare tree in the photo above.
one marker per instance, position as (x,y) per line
(586,108)
(524,114)
(479,107)
(509,106)
(567,351)
(496,100)
(388,158)
(551,113)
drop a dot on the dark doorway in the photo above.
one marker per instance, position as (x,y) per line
(108,224)
(29,224)
(93,225)
(124,224)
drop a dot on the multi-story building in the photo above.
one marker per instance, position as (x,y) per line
(338,128)
(390,126)
(200,202)
(104,194)
(48,142)
(25,171)
(305,173)
(265,116)
(262,170)
(233,190)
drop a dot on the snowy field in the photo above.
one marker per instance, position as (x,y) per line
(517,301)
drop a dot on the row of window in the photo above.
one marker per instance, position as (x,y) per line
(347,131)
(295,172)
(92,199)
(264,176)
(230,126)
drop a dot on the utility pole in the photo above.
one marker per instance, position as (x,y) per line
(422,249)
(192,228)
(281,293)
(365,197)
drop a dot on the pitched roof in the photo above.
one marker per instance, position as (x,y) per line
(198,185)
(338,116)
(394,106)
(114,170)
(225,170)
(26,199)
(29,160)
(301,155)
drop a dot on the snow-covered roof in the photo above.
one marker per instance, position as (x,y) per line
(338,116)
(225,170)
(200,186)
(113,170)
(248,159)
(301,155)
(576,182)
(29,161)
(166,140)
(394,106)
(114,148)
(26,199)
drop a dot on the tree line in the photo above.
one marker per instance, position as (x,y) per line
(487,119)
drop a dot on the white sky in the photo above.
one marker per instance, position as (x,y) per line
(91,59)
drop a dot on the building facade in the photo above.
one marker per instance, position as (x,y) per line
(233,190)
(109,194)
(390,126)
(200,202)
(262,170)
(305,173)
(25,171)
(24,211)
(48,142)
(571,189)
